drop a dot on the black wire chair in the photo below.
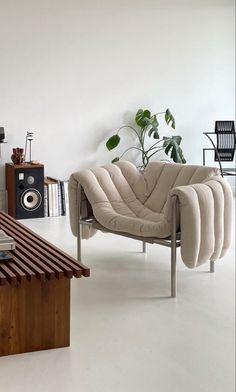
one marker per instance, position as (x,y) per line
(224,147)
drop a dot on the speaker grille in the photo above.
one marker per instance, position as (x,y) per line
(31,199)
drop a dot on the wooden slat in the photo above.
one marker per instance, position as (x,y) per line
(50,269)
(38,272)
(21,276)
(11,277)
(36,257)
(57,265)
(50,274)
(32,260)
(68,260)
(29,273)
(64,261)
(3,279)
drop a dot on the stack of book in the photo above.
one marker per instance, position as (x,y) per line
(56,201)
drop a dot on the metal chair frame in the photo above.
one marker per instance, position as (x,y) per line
(222,132)
(173,242)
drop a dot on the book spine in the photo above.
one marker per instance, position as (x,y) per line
(45,200)
(55,199)
(63,206)
(50,200)
(66,197)
(59,199)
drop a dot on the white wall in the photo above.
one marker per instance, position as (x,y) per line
(75,70)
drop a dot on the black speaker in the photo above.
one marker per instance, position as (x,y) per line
(25,187)
(2,135)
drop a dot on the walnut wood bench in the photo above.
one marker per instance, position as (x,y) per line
(34,292)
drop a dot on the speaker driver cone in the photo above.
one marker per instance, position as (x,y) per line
(31,199)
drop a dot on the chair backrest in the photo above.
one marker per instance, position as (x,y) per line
(161,177)
(226,140)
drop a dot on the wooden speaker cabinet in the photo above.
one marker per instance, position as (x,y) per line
(25,188)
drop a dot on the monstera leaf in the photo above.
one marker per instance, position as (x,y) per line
(154,128)
(144,119)
(113,142)
(116,159)
(169,118)
(172,145)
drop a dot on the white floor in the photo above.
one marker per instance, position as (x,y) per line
(127,334)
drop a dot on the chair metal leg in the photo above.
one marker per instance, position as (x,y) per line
(79,247)
(173,270)
(78,223)
(144,247)
(212,266)
(173,249)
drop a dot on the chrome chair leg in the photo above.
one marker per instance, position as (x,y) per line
(173,249)
(78,223)
(173,271)
(144,250)
(212,266)
(78,247)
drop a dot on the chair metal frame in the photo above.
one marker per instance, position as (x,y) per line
(173,242)
(230,135)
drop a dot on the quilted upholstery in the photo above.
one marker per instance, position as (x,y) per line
(206,215)
(125,200)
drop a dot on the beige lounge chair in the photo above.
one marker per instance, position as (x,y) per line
(168,204)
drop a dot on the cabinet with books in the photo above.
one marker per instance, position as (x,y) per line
(56,201)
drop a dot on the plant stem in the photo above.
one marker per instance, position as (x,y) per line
(155,153)
(153,146)
(133,129)
(141,141)
(157,114)
(131,148)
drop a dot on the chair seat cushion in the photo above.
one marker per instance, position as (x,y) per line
(143,222)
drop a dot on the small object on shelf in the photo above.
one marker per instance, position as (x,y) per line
(17,156)
(35,162)
(29,138)
(6,243)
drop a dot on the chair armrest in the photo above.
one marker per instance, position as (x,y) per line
(206,215)
(85,207)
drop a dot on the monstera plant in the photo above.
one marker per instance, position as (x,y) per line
(147,126)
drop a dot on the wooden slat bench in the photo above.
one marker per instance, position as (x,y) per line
(34,292)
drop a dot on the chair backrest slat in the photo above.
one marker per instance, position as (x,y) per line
(226,140)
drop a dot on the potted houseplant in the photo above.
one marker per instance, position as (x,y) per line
(147,126)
